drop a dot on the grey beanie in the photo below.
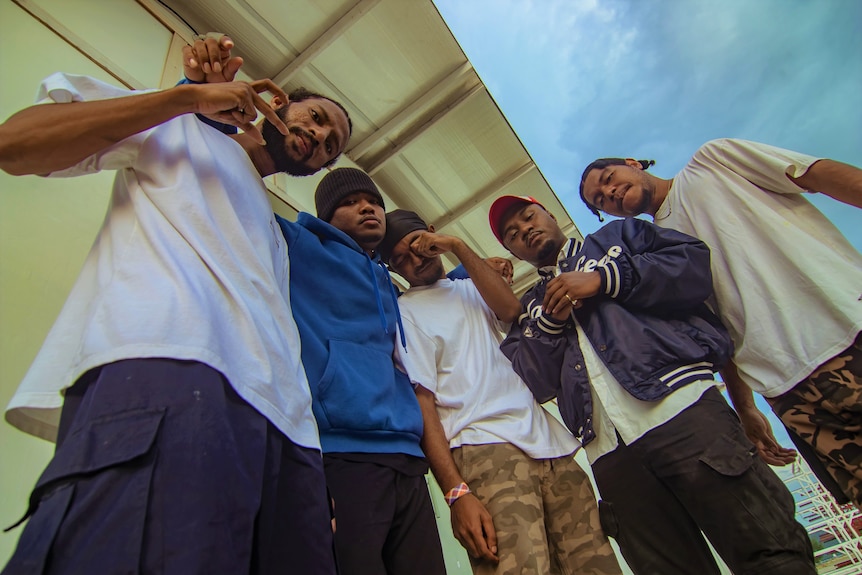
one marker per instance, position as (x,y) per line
(338,184)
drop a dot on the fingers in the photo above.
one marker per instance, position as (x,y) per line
(267,85)
(426,246)
(556,302)
(208,59)
(472,525)
(490,535)
(231,67)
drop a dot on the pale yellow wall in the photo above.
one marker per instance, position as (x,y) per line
(46,225)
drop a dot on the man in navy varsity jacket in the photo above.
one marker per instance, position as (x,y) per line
(617,330)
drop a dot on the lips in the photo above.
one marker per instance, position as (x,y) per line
(531,237)
(622,195)
(369,219)
(303,143)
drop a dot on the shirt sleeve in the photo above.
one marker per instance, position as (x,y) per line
(62,88)
(419,360)
(763,165)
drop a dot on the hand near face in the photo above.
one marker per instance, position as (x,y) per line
(237,104)
(429,244)
(208,60)
(567,290)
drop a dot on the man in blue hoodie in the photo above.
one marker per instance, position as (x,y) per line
(346,309)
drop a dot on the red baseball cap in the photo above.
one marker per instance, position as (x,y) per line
(502,205)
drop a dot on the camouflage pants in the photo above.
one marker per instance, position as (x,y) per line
(825,410)
(544,512)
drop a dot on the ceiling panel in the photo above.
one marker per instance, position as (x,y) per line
(425,127)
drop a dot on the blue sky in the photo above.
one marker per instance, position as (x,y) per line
(582,79)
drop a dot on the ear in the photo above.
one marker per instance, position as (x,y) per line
(632,163)
(275,103)
(431,228)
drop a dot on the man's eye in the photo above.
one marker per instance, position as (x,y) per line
(314,115)
(328,148)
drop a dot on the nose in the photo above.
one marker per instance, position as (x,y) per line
(319,135)
(365,206)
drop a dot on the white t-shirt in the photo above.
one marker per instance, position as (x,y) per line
(787,283)
(453,350)
(616,410)
(189,264)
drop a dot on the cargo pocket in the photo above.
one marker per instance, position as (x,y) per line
(730,456)
(98,481)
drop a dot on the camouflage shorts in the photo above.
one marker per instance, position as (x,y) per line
(544,511)
(825,410)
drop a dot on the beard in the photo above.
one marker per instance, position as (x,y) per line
(547,251)
(276,149)
(433,271)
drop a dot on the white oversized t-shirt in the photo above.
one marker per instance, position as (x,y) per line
(189,264)
(453,350)
(788,285)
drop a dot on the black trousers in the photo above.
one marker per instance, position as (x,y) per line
(162,468)
(699,472)
(385,521)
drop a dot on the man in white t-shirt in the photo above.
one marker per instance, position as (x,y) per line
(186,442)
(518,499)
(787,284)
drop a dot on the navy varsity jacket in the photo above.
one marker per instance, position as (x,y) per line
(649,323)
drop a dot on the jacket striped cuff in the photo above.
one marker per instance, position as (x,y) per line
(550,325)
(611,281)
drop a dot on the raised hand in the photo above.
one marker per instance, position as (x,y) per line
(429,244)
(208,60)
(503,267)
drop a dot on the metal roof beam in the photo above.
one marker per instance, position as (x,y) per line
(325,40)
(483,195)
(405,141)
(424,101)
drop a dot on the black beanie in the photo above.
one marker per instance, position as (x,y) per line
(399,223)
(338,184)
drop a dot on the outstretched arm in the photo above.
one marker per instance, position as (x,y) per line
(471,522)
(840,181)
(754,423)
(491,285)
(52,137)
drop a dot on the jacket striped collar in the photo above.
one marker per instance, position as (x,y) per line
(569,249)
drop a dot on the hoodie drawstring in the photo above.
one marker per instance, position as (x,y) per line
(394,295)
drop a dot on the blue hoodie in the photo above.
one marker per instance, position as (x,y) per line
(345,308)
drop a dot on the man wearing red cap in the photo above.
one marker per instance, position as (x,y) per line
(617,330)
(519,502)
